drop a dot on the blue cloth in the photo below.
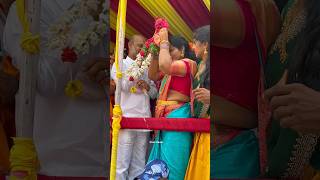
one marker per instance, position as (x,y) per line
(155,169)
(174,147)
(238,158)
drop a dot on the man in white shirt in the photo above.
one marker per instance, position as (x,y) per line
(70,135)
(132,145)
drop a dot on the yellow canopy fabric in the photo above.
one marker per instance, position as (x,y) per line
(207,3)
(164,9)
(113,25)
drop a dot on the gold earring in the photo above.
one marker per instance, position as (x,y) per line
(182,54)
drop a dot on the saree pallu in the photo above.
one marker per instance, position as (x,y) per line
(199,162)
(173,147)
(238,158)
(290,152)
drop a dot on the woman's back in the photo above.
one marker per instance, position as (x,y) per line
(236,70)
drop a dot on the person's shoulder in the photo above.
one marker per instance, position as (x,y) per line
(190,61)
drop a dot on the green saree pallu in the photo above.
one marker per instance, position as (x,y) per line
(288,151)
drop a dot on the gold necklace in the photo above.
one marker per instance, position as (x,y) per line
(293,23)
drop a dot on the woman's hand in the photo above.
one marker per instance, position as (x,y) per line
(163,34)
(295,105)
(202,95)
(156,39)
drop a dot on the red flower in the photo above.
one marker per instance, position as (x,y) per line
(69,55)
(131,78)
(148,42)
(161,23)
(142,53)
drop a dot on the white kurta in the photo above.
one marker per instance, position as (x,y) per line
(134,104)
(132,145)
(70,134)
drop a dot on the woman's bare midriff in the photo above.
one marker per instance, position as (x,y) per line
(232,115)
(177,96)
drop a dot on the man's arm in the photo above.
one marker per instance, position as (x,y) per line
(153,92)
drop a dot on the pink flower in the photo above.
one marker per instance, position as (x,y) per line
(160,23)
(148,42)
(142,53)
(68,55)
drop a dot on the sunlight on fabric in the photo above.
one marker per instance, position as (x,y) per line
(207,3)
(162,8)
(113,25)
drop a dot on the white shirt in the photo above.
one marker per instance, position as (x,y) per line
(134,104)
(70,135)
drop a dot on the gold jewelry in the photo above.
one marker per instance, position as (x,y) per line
(292,25)
(164,41)
(182,53)
(164,45)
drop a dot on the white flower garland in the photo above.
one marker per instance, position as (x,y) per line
(139,66)
(60,33)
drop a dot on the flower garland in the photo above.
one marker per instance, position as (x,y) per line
(74,44)
(149,49)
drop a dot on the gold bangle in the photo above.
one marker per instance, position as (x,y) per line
(164,46)
(164,41)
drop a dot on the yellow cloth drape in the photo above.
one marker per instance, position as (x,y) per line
(23,157)
(163,8)
(207,3)
(199,162)
(28,42)
(117,113)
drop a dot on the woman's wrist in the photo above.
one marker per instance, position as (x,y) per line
(164,41)
(164,45)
